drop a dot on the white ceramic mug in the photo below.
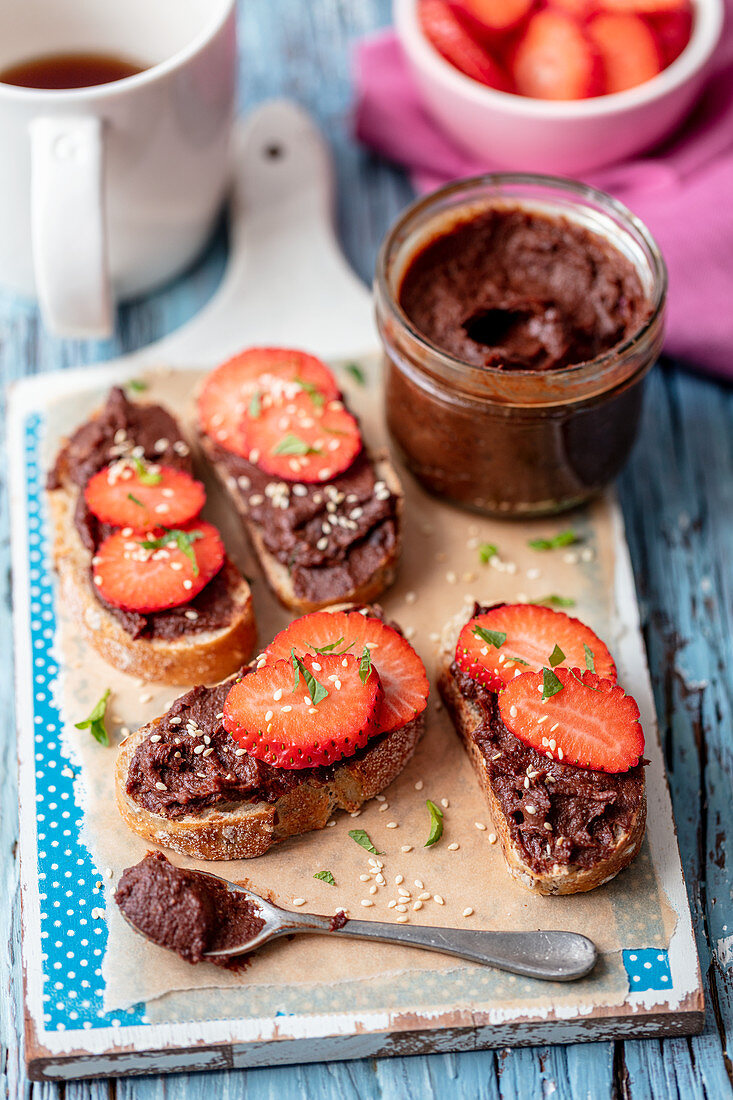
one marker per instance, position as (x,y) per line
(108,191)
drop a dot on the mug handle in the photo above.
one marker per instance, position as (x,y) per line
(68,226)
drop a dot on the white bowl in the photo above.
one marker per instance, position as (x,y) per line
(568,137)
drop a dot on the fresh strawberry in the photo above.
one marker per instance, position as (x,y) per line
(400,669)
(488,18)
(451,39)
(577,9)
(141,495)
(303,440)
(299,713)
(556,60)
(672,30)
(165,568)
(586,721)
(253,380)
(644,7)
(627,47)
(498,645)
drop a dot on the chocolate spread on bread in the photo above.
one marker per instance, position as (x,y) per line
(186,911)
(124,427)
(515,289)
(332,538)
(586,810)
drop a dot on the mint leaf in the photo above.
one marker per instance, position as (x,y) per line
(365,665)
(95,722)
(580,680)
(135,500)
(362,838)
(331,648)
(551,684)
(487,551)
(557,656)
(255,405)
(590,661)
(557,601)
(325,876)
(491,637)
(136,385)
(516,661)
(436,824)
(564,538)
(316,690)
(356,373)
(294,445)
(313,392)
(146,476)
(184,540)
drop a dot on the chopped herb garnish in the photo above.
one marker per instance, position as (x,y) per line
(316,690)
(356,373)
(436,824)
(516,661)
(491,637)
(184,540)
(313,392)
(582,681)
(137,385)
(133,498)
(362,838)
(564,538)
(365,665)
(331,648)
(487,551)
(325,876)
(147,477)
(294,445)
(255,405)
(95,722)
(556,657)
(557,601)
(551,684)
(590,661)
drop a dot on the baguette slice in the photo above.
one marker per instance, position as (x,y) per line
(248,829)
(558,878)
(276,573)
(202,656)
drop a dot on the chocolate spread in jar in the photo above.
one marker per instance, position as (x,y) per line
(331,537)
(120,426)
(515,289)
(186,911)
(586,809)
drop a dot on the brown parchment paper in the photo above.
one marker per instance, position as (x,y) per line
(439,578)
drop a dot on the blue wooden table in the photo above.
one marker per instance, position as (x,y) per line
(677,496)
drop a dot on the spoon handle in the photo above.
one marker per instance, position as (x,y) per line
(555,956)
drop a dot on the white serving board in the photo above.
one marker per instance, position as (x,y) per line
(286,283)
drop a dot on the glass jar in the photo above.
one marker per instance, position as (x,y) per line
(515,442)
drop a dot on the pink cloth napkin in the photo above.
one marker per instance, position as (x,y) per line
(683,191)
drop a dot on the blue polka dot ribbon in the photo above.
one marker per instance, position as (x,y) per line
(647,968)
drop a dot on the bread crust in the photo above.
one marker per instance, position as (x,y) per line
(277,575)
(248,829)
(199,657)
(558,879)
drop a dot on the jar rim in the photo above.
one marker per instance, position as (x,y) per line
(496,181)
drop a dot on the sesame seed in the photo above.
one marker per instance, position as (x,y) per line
(553,728)
(547,825)
(240,752)
(451,577)
(373,889)
(207,752)
(367,903)
(286,709)
(402,920)
(526,784)
(268,716)
(146,697)
(425,895)
(419,785)
(330,824)
(480,825)
(155,738)
(383,807)
(411,597)
(438,899)
(364,878)
(355,813)
(406,848)
(377,797)
(513,711)
(401,908)
(187,584)
(160,787)
(444,803)
(191,614)
(404,892)
(467,912)
(176,721)
(492,838)
(391,903)
(417,905)
(531,809)
(560,754)
(380,879)
(198,749)
(277,695)
(298,901)
(392,825)
(418,883)
(453,847)
(399,879)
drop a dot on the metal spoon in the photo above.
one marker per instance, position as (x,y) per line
(555,956)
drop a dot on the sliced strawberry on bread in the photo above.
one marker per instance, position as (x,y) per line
(255,379)
(305,439)
(500,644)
(627,48)
(402,673)
(305,712)
(141,495)
(574,717)
(163,569)
(451,39)
(556,59)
